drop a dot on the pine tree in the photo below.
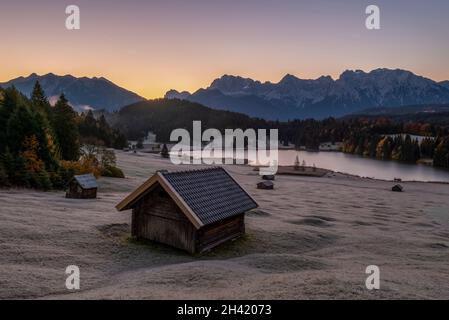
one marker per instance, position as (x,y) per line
(39,100)
(164,151)
(20,125)
(42,112)
(441,155)
(119,140)
(47,151)
(303,165)
(4,116)
(88,125)
(18,174)
(8,104)
(4,179)
(296,165)
(66,129)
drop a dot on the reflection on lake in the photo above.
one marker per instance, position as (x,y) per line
(364,167)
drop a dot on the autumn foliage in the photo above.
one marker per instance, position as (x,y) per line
(41,145)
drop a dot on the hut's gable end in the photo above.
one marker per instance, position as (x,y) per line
(159,203)
(82,187)
(156,217)
(136,197)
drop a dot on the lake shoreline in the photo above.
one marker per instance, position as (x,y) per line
(337,161)
(363,167)
(322,173)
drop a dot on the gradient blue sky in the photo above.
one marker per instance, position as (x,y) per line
(155,45)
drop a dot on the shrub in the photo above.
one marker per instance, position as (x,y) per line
(57,180)
(44,179)
(83,166)
(89,163)
(108,158)
(66,173)
(41,180)
(112,172)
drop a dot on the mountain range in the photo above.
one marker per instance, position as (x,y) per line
(82,93)
(290,98)
(293,97)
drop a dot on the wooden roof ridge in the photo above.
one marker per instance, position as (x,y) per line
(190,171)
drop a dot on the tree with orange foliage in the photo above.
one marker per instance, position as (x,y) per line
(30,154)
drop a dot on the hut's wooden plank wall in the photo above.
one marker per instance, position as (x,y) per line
(157,217)
(215,234)
(75,191)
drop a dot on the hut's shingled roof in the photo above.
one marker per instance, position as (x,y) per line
(86,181)
(212,194)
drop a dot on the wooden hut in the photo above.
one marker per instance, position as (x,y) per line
(265,185)
(190,210)
(82,187)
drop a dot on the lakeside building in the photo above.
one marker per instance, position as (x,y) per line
(331,146)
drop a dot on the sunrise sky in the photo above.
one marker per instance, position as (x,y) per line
(152,46)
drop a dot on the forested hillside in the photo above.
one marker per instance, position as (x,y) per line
(162,116)
(376,137)
(41,145)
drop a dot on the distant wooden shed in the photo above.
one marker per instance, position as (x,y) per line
(82,187)
(190,210)
(265,185)
(397,188)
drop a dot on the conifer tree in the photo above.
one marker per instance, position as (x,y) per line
(296,165)
(66,129)
(164,151)
(441,156)
(39,100)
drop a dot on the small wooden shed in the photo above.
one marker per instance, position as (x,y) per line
(191,210)
(397,188)
(82,187)
(265,185)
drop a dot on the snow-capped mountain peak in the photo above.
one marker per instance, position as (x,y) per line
(293,97)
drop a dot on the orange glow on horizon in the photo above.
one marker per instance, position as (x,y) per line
(150,47)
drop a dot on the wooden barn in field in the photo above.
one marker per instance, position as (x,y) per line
(82,187)
(190,210)
(265,185)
